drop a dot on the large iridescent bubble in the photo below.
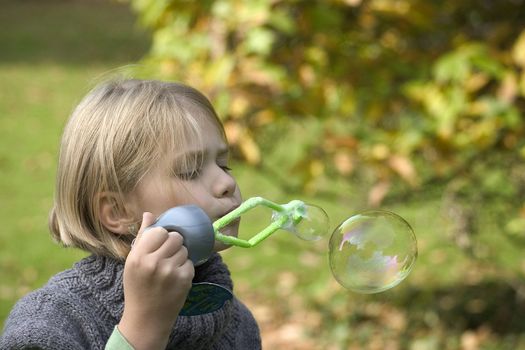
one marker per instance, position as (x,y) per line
(372,251)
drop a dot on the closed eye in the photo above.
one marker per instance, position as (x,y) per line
(190,175)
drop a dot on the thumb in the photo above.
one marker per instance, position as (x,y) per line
(147,220)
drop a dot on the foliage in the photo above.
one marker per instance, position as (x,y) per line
(394,94)
(49,60)
(392,81)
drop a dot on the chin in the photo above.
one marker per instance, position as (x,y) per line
(230,230)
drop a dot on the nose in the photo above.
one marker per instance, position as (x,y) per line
(224,185)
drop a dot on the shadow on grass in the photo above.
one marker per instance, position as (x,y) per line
(70,32)
(493,304)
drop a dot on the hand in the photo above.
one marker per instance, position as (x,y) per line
(157,279)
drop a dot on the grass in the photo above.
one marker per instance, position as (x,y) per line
(53,51)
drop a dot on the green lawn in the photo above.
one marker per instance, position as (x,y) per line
(52,52)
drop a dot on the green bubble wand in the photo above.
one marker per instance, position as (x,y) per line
(286,216)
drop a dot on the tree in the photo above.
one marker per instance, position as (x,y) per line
(390,92)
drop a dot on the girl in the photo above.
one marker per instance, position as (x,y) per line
(131,150)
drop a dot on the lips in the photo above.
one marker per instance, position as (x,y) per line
(229,210)
(232,228)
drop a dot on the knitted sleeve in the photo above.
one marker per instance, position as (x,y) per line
(39,321)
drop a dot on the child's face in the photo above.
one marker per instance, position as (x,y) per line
(211,187)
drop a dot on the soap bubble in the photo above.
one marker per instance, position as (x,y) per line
(372,251)
(314,224)
(311,222)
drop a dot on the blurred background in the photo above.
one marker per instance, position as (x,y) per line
(411,106)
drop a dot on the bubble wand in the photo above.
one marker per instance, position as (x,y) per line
(369,252)
(286,216)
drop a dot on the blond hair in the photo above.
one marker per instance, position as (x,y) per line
(115,135)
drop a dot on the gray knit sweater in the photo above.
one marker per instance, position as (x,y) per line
(79,308)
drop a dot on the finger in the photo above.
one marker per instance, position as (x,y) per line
(149,239)
(171,246)
(184,271)
(187,270)
(147,220)
(182,258)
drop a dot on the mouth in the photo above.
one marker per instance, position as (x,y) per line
(233,224)
(229,211)
(232,229)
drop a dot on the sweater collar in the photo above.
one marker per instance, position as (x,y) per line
(103,276)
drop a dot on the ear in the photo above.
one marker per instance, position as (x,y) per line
(111,217)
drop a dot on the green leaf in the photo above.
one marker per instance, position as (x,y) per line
(259,41)
(151,11)
(454,66)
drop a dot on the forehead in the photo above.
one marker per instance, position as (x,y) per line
(208,140)
(210,133)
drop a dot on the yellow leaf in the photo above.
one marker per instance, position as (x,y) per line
(233,132)
(307,75)
(378,193)
(476,81)
(509,88)
(264,117)
(343,163)
(238,106)
(522,84)
(380,151)
(218,72)
(404,168)
(518,51)
(250,150)
(353,3)
(168,67)
(316,168)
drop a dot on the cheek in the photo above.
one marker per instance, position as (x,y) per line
(160,196)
